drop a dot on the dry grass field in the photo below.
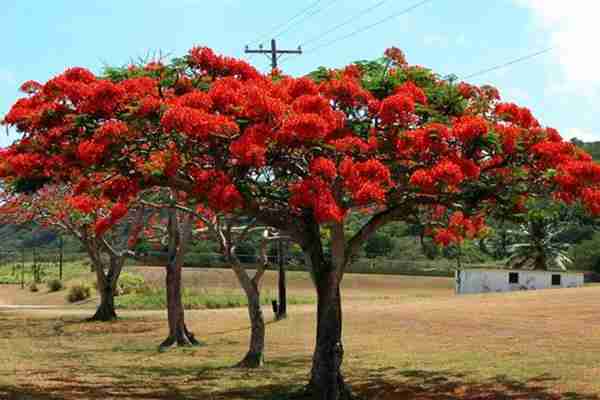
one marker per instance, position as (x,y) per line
(405,338)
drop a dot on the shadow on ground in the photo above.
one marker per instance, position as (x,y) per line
(380,384)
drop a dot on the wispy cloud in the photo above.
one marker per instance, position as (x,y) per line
(573,30)
(582,134)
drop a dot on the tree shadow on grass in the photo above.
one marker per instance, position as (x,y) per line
(391,384)
(284,380)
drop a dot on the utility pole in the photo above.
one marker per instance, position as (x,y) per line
(273,52)
(282,304)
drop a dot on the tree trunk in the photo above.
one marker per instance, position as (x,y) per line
(255,356)
(178,332)
(327,381)
(106,309)
(107,285)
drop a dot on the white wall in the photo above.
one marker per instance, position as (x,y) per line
(496,280)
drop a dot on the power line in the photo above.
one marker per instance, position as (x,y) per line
(509,63)
(308,15)
(346,22)
(278,27)
(367,27)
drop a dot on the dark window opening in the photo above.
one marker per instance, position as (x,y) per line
(513,277)
(556,280)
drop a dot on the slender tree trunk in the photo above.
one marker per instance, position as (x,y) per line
(107,285)
(255,356)
(178,332)
(327,381)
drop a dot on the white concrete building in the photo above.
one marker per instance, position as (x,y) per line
(474,280)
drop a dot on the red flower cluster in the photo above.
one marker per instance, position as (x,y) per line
(315,194)
(111,130)
(519,116)
(367,181)
(413,91)
(250,148)
(208,62)
(323,168)
(591,200)
(91,152)
(469,128)
(446,171)
(459,228)
(217,188)
(398,110)
(197,124)
(120,189)
(346,92)
(83,203)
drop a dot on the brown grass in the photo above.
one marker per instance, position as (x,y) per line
(405,338)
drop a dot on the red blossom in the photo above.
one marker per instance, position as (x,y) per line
(398,109)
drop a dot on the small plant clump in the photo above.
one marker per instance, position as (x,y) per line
(79,292)
(33,287)
(54,285)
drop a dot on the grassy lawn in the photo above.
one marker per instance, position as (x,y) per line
(405,338)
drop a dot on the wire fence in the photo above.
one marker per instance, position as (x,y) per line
(36,265)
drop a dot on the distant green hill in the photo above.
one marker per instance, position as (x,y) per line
(593,148)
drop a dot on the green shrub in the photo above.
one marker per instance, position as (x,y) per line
(130,283)
(379,245)
(54,285)
(33,287)
(155,299)
(79,292)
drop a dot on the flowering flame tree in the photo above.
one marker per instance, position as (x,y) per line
(297,154)
(107,232)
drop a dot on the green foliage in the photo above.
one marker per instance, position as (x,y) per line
(54,285)
(378,245)
(155,299)
(79,292)
(130,283)
(246,252)
(586,254)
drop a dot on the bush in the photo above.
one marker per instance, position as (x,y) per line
(33,287)
(586,255)
(130,283)
(54,285)
(79,292)
(378,245)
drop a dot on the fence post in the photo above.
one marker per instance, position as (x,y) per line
(23,268)
(60,259)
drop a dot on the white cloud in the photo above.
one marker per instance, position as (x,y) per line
(582,134)
(573,29)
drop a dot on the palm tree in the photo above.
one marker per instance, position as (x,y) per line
(538,246)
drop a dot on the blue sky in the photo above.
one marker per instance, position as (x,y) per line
(42,38)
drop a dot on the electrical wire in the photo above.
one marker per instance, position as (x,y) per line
(311,14)
(367,27)
(509,63)
(278,27)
